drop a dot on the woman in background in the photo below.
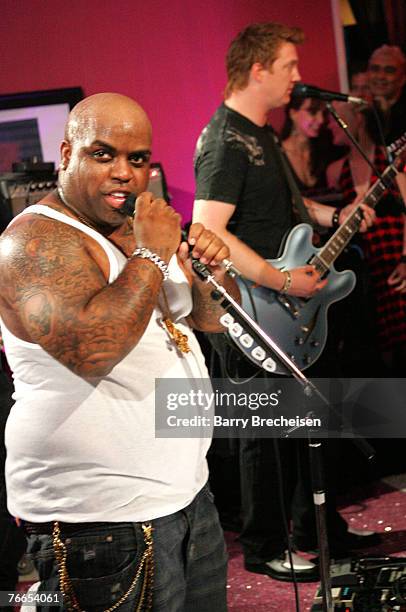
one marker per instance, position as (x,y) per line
(383,243)
(308,144)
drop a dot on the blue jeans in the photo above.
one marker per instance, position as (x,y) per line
(190,562)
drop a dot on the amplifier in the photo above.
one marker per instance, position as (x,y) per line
(22,194)
(18,190)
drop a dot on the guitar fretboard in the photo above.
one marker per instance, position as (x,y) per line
(351,225)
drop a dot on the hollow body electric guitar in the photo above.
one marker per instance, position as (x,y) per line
(298,325)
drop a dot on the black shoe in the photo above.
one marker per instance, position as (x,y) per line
(280,569)
(357,538)
(342,546)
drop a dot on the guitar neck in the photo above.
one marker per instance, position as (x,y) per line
(339,240)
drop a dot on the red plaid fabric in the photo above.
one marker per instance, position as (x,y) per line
(382,246)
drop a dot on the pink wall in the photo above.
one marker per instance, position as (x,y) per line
(167,55)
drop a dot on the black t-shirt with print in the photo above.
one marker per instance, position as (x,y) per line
(236,162)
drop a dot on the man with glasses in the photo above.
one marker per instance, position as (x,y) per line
(387,77)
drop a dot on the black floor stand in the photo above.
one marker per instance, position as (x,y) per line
(309,391)
(319,500)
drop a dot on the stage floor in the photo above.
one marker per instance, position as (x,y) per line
(380,506)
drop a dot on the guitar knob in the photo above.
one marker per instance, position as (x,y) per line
(291,357)
(304,329)
(314,343)
(306,359)
(299,340)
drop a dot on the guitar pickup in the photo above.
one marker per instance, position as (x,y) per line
(288,305)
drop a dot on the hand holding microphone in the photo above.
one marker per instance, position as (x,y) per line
(155,219)
(207,251)
(156,224)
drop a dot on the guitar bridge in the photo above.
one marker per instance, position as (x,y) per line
(288,304)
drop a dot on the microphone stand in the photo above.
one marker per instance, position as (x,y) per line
(315,446)
(382,177)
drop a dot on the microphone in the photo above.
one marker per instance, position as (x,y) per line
(301,90)
(226,263)
(128,209)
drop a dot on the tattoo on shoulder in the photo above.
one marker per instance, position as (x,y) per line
(43,265)
(59,293)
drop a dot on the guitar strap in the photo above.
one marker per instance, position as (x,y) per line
(299,208)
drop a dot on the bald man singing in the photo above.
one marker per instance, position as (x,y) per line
(94,307)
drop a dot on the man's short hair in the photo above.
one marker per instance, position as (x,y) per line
(258,42)
(395,53)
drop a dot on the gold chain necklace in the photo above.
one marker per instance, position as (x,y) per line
(180,339)
(78,215)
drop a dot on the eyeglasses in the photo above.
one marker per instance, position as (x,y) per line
(386,69)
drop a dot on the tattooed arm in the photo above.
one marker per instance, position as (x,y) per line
(206,311)
(211,250)
(55,294)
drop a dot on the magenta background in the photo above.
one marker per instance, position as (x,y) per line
(168,55)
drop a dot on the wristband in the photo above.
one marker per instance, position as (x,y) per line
(288,282)
(156,260)
(335,219)
(403,259)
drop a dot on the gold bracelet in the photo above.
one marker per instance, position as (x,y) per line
(288,282)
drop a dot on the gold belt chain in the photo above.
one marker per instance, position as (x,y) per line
(146,562)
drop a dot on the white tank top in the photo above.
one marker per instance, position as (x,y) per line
(83,452)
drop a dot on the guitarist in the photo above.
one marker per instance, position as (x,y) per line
(244,196)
